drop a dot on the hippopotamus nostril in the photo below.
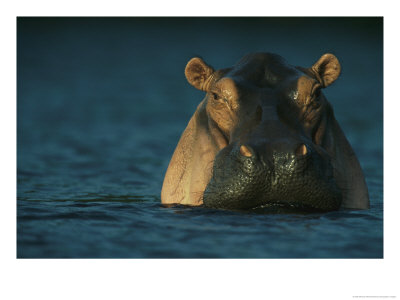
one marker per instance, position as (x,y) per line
(301,150)
(246,151)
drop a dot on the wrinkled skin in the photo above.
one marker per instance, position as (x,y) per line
(264,135)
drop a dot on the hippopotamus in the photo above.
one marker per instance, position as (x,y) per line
(264,136)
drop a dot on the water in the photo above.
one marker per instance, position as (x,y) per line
(102,103)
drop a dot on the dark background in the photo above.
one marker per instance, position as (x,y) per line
(101,103)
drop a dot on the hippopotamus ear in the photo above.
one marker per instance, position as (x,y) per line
(198,73)
(326,69)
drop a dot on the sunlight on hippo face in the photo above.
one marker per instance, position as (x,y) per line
(268,137)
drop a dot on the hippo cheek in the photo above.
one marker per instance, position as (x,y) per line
(245,183)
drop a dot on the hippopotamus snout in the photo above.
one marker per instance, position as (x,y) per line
(283,173)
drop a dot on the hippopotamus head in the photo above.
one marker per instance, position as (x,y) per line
(265,135)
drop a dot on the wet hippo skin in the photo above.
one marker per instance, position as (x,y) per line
(264,135)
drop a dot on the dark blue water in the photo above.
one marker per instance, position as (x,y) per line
(102,103)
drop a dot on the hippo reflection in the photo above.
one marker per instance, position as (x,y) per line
(264,135)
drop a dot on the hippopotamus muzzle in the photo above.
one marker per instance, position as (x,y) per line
(264,136)
(244,179)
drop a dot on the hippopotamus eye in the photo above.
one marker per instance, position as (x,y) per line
(216,96)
